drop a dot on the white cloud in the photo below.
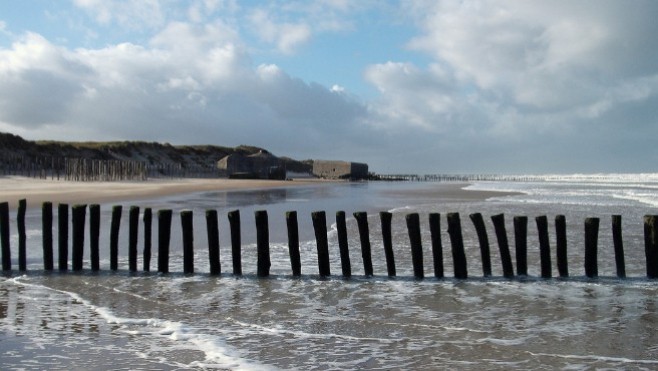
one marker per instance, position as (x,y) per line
(337,88)
(133,14)
(285,35)
(498,86)
(202,10)
(37,82)
(546,55)
(534,78)
(413,97)
(191,83)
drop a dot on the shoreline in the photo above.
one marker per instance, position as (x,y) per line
(37,191)
(449,191)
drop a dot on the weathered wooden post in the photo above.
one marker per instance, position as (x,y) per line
(341,228)
(651,244)
(262,244)
(63,236)
(47,227)
(561,245)
(591,247)
(78,213)
(457,244)
(413,227)
(320,228)
(114,237)
(94,235)
(148,229)
(236,241)
(22,236)
(503,245)
(387,238)
(164,236)
(4,236)
(212,227)
(544,246)
(364,235)
(133,233)
(619,246)
(483,239)
(437,246)
(293,243)
(187,225)
(521,244)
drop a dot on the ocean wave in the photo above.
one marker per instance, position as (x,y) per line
(214,348)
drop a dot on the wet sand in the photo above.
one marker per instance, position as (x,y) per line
(450,192)
(37,191)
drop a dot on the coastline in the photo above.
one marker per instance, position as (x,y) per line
(448,191)
(37,191)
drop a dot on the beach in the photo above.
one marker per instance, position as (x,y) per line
(37,191)
(148,320)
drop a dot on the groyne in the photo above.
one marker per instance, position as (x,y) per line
(76,215)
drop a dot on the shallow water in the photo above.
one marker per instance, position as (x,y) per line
(119,320)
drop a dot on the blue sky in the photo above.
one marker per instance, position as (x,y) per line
(420,86)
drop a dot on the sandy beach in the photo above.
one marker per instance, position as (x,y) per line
(448,191)
(37,191)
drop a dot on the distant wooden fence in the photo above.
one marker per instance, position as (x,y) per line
(164,220)
(86,169)
(459,177)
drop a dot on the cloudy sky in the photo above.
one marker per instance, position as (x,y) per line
(413,86)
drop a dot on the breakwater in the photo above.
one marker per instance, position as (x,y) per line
(74,219)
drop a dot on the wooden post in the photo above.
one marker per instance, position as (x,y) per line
(4,236)
(78,219)
(521,244)
(619,246)
(148,221)
(561,245)
(544,246)
(114,237)
(503,245)
(212,227)
(63,237)
(483,239)
(22,236)
(413,227)
(94,235)
(187,225)
(47,227)
(320,228)
(164,236)
(341,227)
(651,245)
(262,244)
(133,233)
(364,235)
(457,243)
(293,243)
(236,243)
(387,238)
(591,247)
(437,247)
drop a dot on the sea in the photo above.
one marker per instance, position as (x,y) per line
(151,321)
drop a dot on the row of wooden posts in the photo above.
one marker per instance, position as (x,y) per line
(164,220)
(87,169)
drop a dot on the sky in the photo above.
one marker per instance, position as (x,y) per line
(409,86)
